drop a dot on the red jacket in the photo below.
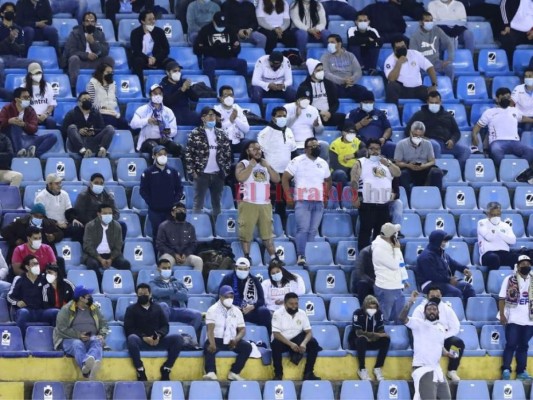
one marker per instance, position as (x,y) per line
(10,111)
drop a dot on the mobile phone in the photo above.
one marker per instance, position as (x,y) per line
(418,163)
(154,336)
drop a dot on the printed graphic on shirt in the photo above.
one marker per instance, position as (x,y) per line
(379,172)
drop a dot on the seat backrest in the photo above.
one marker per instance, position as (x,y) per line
(130,169)
(167,390)
(30,168)
(276,390)
(318,253)
(48,390)
(351,390)
(463,61)
(172,28)
(473,389)
(202,225)
(60,85)
(188,60)
(214,278)
(116,338)
(89,390)
(480,170)
(458,111)
(11,339)
(338,225)
(342,308)
(314,308)
(346,252)
(193,280)
(317,390)
(91,165)
(118,282)
(500,81)
(205,390)
(411,225)
(489,194)
(492,337)
(39,338)
(125,26)
(468,335)
(508,390)
(388,389)
(374,83)
(460,198)
(459,252)
(63,166)
(471,88)
(443,221)
(244,390)
(330,281)
(492,61)
(237,82)
(86,278)
(129,391)
(128,87)
(10,198)
(45,54)
(481,309)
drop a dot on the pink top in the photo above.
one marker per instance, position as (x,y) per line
(45,255)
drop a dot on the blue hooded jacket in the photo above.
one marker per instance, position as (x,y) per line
(433,264)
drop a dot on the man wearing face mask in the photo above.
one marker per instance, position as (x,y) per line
(516,316)
(81,330)
(225,331)
(323,93)
(414,155)
(102,243)
(157,124)
(208,161)
(272,77)
(177,95)
(88,201)
(390,27)
(291,331)
(26,296)
(435,268)
(86,47)
(495,238)
(85,129)
(502,123)
(429,335)
(146,327)
(342,68)
(232,118)
(114,7)
(303,119)
(364,42)
(176,240)
(344,152)
(402,69)
(449,320)
(522,96)
(19,122)
(33,246)
(36,19)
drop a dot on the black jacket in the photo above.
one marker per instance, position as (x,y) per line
(173,97)
(87,205)
(161,189)
(161,46)
(331,93)
(210,43)
(7,47)
(240,14)
(6,152)
(30,292)
(393,23)
(145,322)
(176,238)
(18,228)
(76,117)
(360,38)
(28,14)
(439,126)
(508,10)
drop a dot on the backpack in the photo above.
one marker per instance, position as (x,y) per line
(294,57)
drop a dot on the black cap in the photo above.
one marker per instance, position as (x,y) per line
(302,92)
(276,57)
(368,96)
(172,65)
(179,204)
(219,19)
(348,126)
(206,110)
(447,238)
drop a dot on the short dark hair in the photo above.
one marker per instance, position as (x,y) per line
(310,139)
(26,261)
(143,286)
(397,39)
(144,13)
(6,5)
(434,288)
(89,13)
(360,13)
(425,14)
(82,94)
(373,141)
(18,92)
(104,205)
(276,109)
(434,93)
(163,260)
(32,230)
(336,37)
(528,69)
(502,91)
(224,87)
(290,295)
(97,175)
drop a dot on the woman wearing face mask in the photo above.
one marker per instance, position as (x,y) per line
(344,152)
(42,95)
(102,90)
(59,291)
(280,282)
(309,20)
(368,333)
(274,22)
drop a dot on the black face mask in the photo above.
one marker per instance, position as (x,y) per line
(108,78)
(90,301)
(292,311)
(90,29)
(9,16)
(435,300)
(400,51)
(86,104)
(143,299)
(525,270)
(315,152)
(505,102)
(180,217)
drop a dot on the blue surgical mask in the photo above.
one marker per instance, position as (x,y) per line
(97,189)
(166,273)
(375,158)
(281,122)
(107,218)
(332,47)
(428,25)
(367,107)
(210,124)
(37,222)
(277,276)
(242,274)
(219,29)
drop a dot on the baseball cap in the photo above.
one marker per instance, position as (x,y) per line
(53,178)
(172,65)
(157,149)
(389,229)
(523,257)
(367,96)
(225,290)
(34,67)
(80,291)
(242,262)
(155,86)
(219,19)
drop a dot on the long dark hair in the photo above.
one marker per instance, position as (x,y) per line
(246,145)
(313,10)
(28,85)
(61,284)
(98,73)
(269,6)
(286,275)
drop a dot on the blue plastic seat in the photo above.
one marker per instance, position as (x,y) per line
(285,251)
(482,31)
(167,390)
(152,79)
(445,87)
(10,198)
(123,302)
(12,345)
(493,62)
(459,113)
(86,278)
(39,342)
(346,253)
(521,59)
(463,63)
(196,78)
(244,390)
(391,112)
(61,109)
(226,226)
(173,30)
(60,85)
(477,110)
(73,189)
(330,283)
(274,390)
(399,346)
(91,165)
(412,249)
(140,253)
(319,256)
(251,55)
(375,84)
(63,166)
(457,305)
(132,106)
(125,26)
(205,390)
(81,84)
(129,391)
(492,339)
(510,168)
(214,278)
(460,199)
(71,252)
(188,60)
(238,83)
(425,199)
(467,226)
(488,194)
(523,200)
(146,275)
(341,29)
(117,283)
(495,279)
(121,144)
(472,89)
(64,27)
(5,318)
(336,227)
(202,226)
(119,194)
(341,309)
(317,390)
(408,110)
(137,202)
(515,221)
(30,168)
(193,280)
(458,250)
(508,390)
(468,334)
(200,303)
(352,390)
(47,57)
(411,226)
(508,81)
(105,305)
(314,307)
(481,310)
(48,390)
(480,172)
(389,389)
(129,171)
(440,220)
(13,81)
(472,390)
(329,339)
(384,53)
(255,252)
(88,390)
(128,87)
(133,224)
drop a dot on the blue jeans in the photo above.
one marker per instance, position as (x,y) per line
(308,216)
(48,33)
(258,94)
(459,151)
(303,37)
(462,290)
(20,140)
(24,315)
(396,211)
(82,350)
(184,315)
(499,148)
(391,302)
(517,338)
(367,56)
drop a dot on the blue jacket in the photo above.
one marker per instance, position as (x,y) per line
(161,188)
(173,292)
(433,264)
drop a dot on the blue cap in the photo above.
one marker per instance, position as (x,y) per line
(225,290)
(157,149)
(38,208)
(80,291)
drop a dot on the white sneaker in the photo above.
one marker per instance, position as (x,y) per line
(453,376)
(378,374)
(210,376)
(95,369)
(363,375)
(88,365)
(232,376)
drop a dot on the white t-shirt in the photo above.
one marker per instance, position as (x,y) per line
(275,20)
(55,206)
(235,130)
(273,293)
(523,19)
(265,75)
(520,314)
(212,165)
(376,180)
(277,147)
(256,189)
(502,123)
(290,325)
(455,11)
(523,100)
(226,320)
(303,125)
(320,97)
(40,103)
(309,177)
(410,74)
(148,44)
(428,341)
(494,237)
(447,317)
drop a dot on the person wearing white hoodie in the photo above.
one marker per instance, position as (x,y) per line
(391,275)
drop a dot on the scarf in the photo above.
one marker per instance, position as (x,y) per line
(513,293)
(157,113)
(249,295)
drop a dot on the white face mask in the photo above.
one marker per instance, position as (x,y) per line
(304,103)
(319,75)
(227,302)
(37,78)
(157,99)
(434,108)
(528,81)
(281,122)
(428,25)
(25,103)
(416,140)
(350,137)
(277,276)
(36,270)
(242,274)
(228,101)
(97,189)
(332,47)
(371,312)
(362,26)
(50,278)
(176,76)
(162,160)
(36,244)
(374,158)
(150,28)
(166,273)
(367,107)
(445,245)
(495,220)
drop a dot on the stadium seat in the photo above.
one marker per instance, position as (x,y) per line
(91,165)
(468,334)
(352,390)
(226,226)
(330,283)
(86,278)
(133,224)
(202,225)
(251,55)
(276,390)
(128,88)
(459,113)
(319,256)
(129,391)
(12,345)
(129,171)
(508,390)
(123,302)
(188,60)
(317,390)
(482,31)
(285,251)
(238,83)
(457,305)
(338,227)
(117,283)
(388,390)
(63,166)
(467,226)
(61,110)
(492,339)
(64,26)
(244,390)
(140,253)
(480,172)
(481,310)
(495,279)
(31,170)
(442,221)
(445,87)
(138,204)
(472,390)
(152,80)
(255,252)
(13,81)
(146,275)
(172,390)
(472,89)
(521,59)
(510,168)
(73,189)
(119,194)
(458,250)
(132,106)
(346,253)
(412,249)
(205,390)
(340,28)
(60,85)
(81,85)
(71,252)
(374,83)
(411,226)
(488,194)
(200,303)
(10,198)
(47,57)
(523,200)
(173,30)
(463,63)
(329,339)
(193,280)
(408,110)
(460,199)
(39,342)
(105,305)
(125,26)
(89,390)
(504,81)
(477,110)
(425,199)
(214,278)
(341,309)
(121,144)
(48,390)
(314,308)
(516,221)
(5,318)
(493,62)
(399,340)
(199,78)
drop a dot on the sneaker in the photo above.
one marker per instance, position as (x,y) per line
(378,374)
(301,261)
(363,375)
(278,377)
(141,375)
(165,373)
(88,153)
(87,366)
(453,376)
(95,369)
(310,376)
(102,152)
(210,376)
(506,375)
(21,153)
(31,151)
(524,376)
(232,376)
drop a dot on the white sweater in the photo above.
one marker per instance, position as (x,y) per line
(103,98)
(494,237)
(387,260)
(273,293)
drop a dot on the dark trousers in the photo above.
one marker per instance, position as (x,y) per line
(215,184)
(171,343)
(23,316)
(258,94)
(118,123)
(279,204)
(372,217)
(364,288)
(20,140)
(260,316)
(353,92)
(172,147)
(119,263)
(101,139)
(511,40)
(427,177)
(210,64)
(462,290)
(517,338)
(361,344)
(278,348)
(243,350)
(453,364)
(184,116)
(367,56)
(139,64)
(341,8)
(336,119)
(157,218)
(287,38)
(495,259)
(74,232)
(395,90)
(48,33)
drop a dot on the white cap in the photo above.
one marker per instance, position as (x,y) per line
(242,262)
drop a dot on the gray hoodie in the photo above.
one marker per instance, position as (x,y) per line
(432,43)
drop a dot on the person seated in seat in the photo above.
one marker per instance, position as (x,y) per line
(364,42)
(344,152)
(178,95)
(272,78)
(8,176)
(58,290)
(33,246)
(42,95)
(35,17)
(522,97)
(309,24)
(280,282)
(451,17)
(199,14)
(114,7)
(232,119)
(274,22)
(242,18)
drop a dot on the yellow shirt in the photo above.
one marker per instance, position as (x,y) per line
(341,148)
